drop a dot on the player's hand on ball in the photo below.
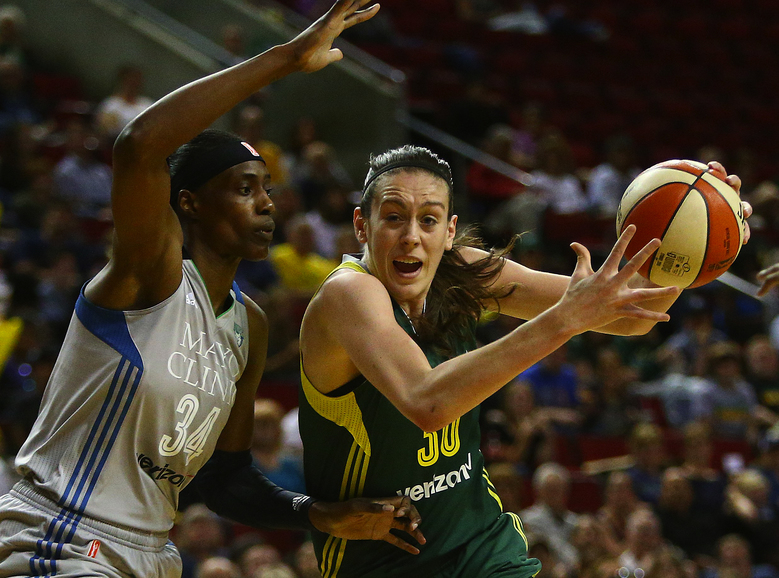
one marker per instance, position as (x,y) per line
(370,519)
(735,182)
(769,278)
(597,298)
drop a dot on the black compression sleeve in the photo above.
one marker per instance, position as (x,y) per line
(233,487)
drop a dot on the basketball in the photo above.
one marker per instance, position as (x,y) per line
(697,216)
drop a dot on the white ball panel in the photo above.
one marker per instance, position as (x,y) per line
(647,181)
(680,256)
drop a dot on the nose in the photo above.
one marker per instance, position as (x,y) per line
(264,204)
(411,233)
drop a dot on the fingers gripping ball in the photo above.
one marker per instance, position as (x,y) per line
(697,216)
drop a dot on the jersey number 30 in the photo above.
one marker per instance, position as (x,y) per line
(194,442)
(450,444)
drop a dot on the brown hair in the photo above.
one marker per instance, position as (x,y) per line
(460,291)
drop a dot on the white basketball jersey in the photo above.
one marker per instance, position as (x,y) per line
(134,407)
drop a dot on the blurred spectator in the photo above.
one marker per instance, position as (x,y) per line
(609,180)
(258,556)
(608,407)
(217,567)
(297,265)
(679,393)
(81,177)
(555,385)
(646,451)
(306,564)
(530,431)
(127,102)
(289,204)
(762,370)
(768,461)
(729,403)
(595,545)
(250,126)
(549,516)
(508,485)
(233,40)
(538,547)
(692,529)
(487,188)
(318,171)
(749,513)
(735,561)
(279,467)
(555,182)
(277,570)
(695,336)
(303,134)
(620,502)
(668,562)
(532,127)
(15,101)
(200,534)
(644,542)
(12,24)
(708,483)
(332,214)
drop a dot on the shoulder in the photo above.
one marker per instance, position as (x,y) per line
(348,285)
(258,321)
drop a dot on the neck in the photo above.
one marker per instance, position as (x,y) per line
(217,272)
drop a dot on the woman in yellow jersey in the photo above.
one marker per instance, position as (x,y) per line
(392,379)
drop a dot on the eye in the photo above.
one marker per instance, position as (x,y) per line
(393,218)
(247,190)
(268,191)
(429,221)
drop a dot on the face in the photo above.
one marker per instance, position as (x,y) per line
(232,213)
(407,233)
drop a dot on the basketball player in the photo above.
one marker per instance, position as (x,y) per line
(392,379)
(163,356)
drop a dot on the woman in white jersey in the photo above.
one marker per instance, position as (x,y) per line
(163,356)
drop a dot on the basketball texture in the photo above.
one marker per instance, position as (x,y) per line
(697,216)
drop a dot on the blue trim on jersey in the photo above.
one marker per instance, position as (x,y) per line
(110,327)
(238,296)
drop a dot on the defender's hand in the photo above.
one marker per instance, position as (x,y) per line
(312,49)
(369,519)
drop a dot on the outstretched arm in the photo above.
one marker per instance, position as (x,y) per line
(434,397)
(146,264)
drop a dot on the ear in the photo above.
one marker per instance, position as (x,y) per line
(451,232)
(188,204)
(359,226)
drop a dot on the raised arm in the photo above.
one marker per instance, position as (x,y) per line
(146,264)
(434,397)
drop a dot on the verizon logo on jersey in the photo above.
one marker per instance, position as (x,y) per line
(439,483)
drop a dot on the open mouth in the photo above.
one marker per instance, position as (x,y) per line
(407,265)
